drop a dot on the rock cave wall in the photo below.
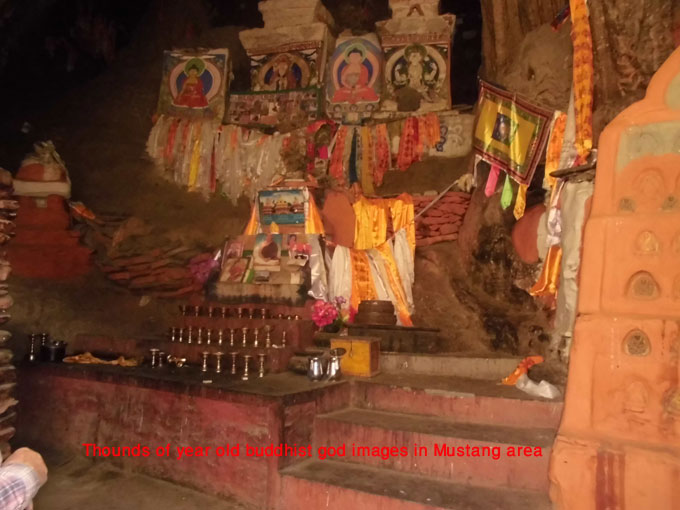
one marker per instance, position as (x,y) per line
(471,289)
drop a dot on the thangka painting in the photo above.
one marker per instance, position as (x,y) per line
(417,77)
(510,132)
(355,82)
(195,85)
(294,68)
(270,109)
(282,206)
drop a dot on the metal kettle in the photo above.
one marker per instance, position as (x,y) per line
(333,371)
(315,370)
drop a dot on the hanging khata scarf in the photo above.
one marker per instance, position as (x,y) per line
(371,223)
(367,163)
(170,145)
(353,177)
(422,137)
(337,158)
(403,213)
(506,194)
(407,144)
(311,145)
(554,150)
(548,281)
(213,170)
(382,154)
(492,180)
(520,201)
(583,76)
(393,280)
(363,287)
(433,129)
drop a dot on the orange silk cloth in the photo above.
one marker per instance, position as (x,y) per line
(554,150)
(371,220)
(548,281)
(371,223)
(363,286)
(583,76)
(395,283)
(363,283)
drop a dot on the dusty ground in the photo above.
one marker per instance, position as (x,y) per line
(76,482)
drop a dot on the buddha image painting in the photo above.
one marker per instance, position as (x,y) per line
(192,85)
(354,76)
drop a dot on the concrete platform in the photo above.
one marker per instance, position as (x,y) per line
(456,398)
(62,407)
(493,368)
(339,486)
(117,407)
(493,468)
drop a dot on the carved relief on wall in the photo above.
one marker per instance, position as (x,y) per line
(629,407)
(642,285)
(647,243)
(648,140)
(626,204)
(650,188)
(671,403)
(675,293)
(636,343)
(675,244)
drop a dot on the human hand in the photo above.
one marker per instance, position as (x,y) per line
(30,458)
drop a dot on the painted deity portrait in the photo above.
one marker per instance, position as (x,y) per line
(416,70)
(194,85)
(355,73)
(420,71)
(191,85)
(285,71)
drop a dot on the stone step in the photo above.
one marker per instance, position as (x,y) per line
(473,367)
(456,398)
(334,485)
(363,428)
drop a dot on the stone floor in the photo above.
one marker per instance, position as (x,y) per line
(76,482)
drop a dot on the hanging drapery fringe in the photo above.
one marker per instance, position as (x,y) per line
(208,157)
(583,76)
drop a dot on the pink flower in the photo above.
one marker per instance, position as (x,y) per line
(324,313)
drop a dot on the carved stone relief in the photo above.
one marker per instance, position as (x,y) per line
(642,285)
(647,243)
(636,343)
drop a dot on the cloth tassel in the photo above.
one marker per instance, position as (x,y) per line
(492,181)
(506,195)
(521,201)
